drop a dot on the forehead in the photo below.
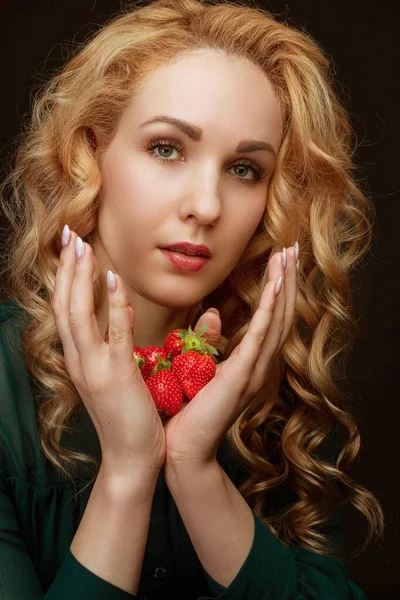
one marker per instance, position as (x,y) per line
(218,93)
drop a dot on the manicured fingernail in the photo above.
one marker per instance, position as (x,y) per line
(79,248)
(297,250)
(111,281)
(213,310)
(66,236)
(298,265)
(284,258)
(278,285)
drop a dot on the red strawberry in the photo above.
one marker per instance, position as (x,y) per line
(150,354)
(139,356)
(194,371)
(180,341)
(166,391)
(173,343)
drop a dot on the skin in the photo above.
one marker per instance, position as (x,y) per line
(196,195)
(148,202)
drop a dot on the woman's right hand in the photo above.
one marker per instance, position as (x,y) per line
(106,375)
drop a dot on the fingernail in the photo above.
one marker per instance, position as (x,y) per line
(213,310)
(278,285)
(298,265)
(284,258)
(297,250)
(79,248)
(66,236)
(111,281)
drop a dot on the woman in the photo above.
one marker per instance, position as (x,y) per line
(239,494)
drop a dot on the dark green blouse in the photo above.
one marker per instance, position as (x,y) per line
(39,517)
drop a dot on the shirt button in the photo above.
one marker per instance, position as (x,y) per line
(160,573)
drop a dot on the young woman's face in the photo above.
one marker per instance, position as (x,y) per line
(201,192)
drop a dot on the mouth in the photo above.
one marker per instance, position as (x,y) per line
(189,249)
(183,261)
(185,252)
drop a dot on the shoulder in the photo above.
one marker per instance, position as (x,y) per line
(11,314)
(13,320)
(18,423)
(10,308)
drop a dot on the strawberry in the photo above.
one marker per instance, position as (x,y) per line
(165,388)
(179,341)
(139,356)
(150,354)
(193,370)
(173,343)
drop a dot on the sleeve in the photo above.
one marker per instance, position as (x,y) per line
(19,580)
(274,571)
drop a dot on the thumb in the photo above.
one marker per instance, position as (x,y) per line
(213,322)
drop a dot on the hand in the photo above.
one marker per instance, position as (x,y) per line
(194,434)
(106,375)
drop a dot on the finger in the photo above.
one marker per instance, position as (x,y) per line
(60,304)
(249,349)
(290,294)
(275,333)
(120,329)
(82,320)
(213,331)
(131,321)
(266,356)
(247,352)
(273,336)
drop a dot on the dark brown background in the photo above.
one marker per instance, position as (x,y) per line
(362,36)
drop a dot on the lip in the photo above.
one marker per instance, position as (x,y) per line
(183,262)
(189,247)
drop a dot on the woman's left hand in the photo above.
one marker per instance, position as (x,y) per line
(193,435)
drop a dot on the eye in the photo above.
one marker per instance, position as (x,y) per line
(163,144)
(168,143)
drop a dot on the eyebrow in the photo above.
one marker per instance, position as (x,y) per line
(195,134)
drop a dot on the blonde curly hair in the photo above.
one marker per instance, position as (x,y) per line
(312,197)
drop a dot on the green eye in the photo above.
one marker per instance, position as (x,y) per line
(259,174)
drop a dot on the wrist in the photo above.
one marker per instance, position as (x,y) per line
(189,468)
(127,478)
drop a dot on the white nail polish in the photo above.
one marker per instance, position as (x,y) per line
(111,281)
(297,250)
(79,248)
(284,258)
(66,236)
(278,285)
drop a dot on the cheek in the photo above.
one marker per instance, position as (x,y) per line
(123,180)
(242,230)
(248,220)
(130,191)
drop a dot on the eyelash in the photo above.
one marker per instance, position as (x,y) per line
(169,142)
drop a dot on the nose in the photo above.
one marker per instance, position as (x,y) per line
(203,201)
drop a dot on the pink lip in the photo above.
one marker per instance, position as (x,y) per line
(183,262)
(189,247)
